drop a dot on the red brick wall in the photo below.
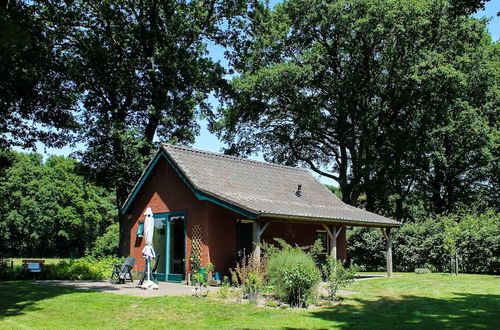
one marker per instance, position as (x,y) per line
(303,234)
(164,191)
(222,238)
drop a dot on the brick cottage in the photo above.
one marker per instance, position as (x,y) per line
(219,206)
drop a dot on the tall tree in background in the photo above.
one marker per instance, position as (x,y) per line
(49,209)
(37,96)
(143,69)
(386,97)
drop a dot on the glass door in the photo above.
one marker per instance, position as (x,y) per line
(169,241)
(177,248)
(159,244)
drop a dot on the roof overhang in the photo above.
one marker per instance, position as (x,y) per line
(355,223)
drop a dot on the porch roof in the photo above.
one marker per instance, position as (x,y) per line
(264,189)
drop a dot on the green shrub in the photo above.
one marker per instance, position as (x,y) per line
(224,290)
(422,271)
(249,275)
(8,274)
(271,303)
(294,275)
(107,244)
(421,244)
(87,268)
(198,278)
(337,276)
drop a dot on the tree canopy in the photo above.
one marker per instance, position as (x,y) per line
(397,101)
(49,209)
(37,96)
(143,74)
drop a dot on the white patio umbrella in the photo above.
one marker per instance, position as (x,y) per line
(148,252)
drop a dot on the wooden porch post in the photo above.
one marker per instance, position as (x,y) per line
(388,241)
(333,238)
(257,232)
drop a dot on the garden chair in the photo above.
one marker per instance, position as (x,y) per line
(153,271)
(122,272)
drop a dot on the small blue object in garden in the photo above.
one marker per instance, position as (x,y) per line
(216,277)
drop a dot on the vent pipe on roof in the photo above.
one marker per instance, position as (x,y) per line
(298,193)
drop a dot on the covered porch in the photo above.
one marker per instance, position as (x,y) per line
(333,235)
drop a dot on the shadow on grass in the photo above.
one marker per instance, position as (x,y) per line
(463,311)
(20,297)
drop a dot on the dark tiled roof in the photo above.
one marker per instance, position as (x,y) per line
(266,189)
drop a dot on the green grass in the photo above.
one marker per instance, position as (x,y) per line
(430,301)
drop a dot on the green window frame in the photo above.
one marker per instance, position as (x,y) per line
(140,229)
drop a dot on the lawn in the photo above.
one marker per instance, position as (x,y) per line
(429,301)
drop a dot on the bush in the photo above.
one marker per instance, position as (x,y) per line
(8,274)
(421,244)
(422,271)
(271,303)
(224,290)
(81,269)
(107,244)
(294,275)
(337,276)
(249,274)
(87,268)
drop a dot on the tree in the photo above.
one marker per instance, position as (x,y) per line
(49,209)
(466,7)
(360,91)
(144,72)
(37,97)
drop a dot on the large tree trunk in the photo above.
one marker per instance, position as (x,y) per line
(124,223)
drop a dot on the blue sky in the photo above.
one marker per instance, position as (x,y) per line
(209,142)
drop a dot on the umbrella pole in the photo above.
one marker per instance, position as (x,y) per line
(149,267)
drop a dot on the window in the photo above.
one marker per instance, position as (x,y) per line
(140,229)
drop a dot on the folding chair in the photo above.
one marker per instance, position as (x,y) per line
(122,272)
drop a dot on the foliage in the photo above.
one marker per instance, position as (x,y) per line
(271,303)
(450,243)
(395,100)
(422,244)
(210,268)
(422,271)
(107,244)
(249,274)
(37,96)
(294,275)
(143,74)
(198,278)
(81,269)
(8,274)
(225,288)
(466,7)
(49,209)
(200,282)
(337,276)
(87,268)
(195,259)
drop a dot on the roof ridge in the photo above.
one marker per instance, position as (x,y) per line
(210,153)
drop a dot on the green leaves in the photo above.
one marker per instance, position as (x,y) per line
(373,94)
(48,209)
